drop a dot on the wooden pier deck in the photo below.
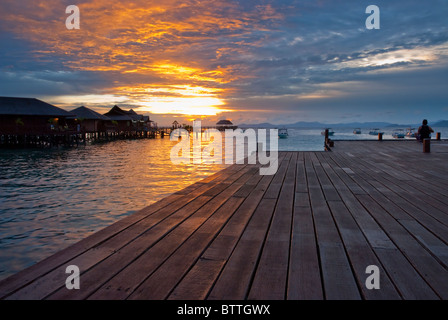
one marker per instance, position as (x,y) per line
(307,232)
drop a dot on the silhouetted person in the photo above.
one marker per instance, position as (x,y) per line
(424,131)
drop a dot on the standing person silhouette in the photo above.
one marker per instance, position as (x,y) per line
(424,131)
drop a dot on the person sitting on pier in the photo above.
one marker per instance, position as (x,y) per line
(424,131)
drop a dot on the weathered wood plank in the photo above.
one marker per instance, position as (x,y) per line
(304,279)
(308,232)
(152,258)
(59,259)
(141,236)
(338,279)
(361,254)
(225,242)
(235,279)
(271,274)
(159,284)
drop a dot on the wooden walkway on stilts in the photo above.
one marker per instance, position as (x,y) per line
(307,232)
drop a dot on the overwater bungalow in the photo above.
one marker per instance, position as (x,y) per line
(128,120)
(176,125)
(88,120)
(225,124)
(30,116)
(120,120)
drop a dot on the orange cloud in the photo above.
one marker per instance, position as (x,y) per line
(177,42)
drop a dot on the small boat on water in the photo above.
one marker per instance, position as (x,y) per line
(375,132)
(330,132)
(399,134)
(410,133)
(283,133)
(357,131)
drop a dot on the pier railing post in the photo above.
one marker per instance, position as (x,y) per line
(427,145)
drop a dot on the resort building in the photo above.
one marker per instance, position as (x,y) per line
(176,125)
(88,120)
(31,116)
(225,124)
(128,120)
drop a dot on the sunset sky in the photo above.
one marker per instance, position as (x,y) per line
(249,61)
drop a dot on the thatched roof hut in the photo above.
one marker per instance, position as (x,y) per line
(225,124)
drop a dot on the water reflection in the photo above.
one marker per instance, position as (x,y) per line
(52,198)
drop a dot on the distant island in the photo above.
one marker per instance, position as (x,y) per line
(304,124)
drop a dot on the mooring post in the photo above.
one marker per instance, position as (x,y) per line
(380,136)
(427,145)
(438,136)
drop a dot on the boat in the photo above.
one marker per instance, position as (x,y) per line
(398,134)
(411,133)
(283,133)
(330,132)
(375,132)
(357,131)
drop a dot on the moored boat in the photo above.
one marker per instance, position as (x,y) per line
(398,134)
(375,132)
(330,132)
(283,133)
(410,133)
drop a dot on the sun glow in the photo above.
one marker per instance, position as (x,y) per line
(182,105)
(175,99)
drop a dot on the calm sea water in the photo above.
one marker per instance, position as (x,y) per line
(52,198)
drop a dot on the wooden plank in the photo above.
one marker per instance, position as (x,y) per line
(104,270)
(304,280)
(128,279)
(52,282)
(307,232)
(437,247)
(301,183)
(405,277)
(403,205)
(415,198)
(160,283)
(235,279)
(327,186)
(54,262)
(49,283)
(222,247)
(431,270)
(361,254)
(338,279)
(277,182)
(22,278)
(270,277)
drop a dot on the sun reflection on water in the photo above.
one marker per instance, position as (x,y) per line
(52,198)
